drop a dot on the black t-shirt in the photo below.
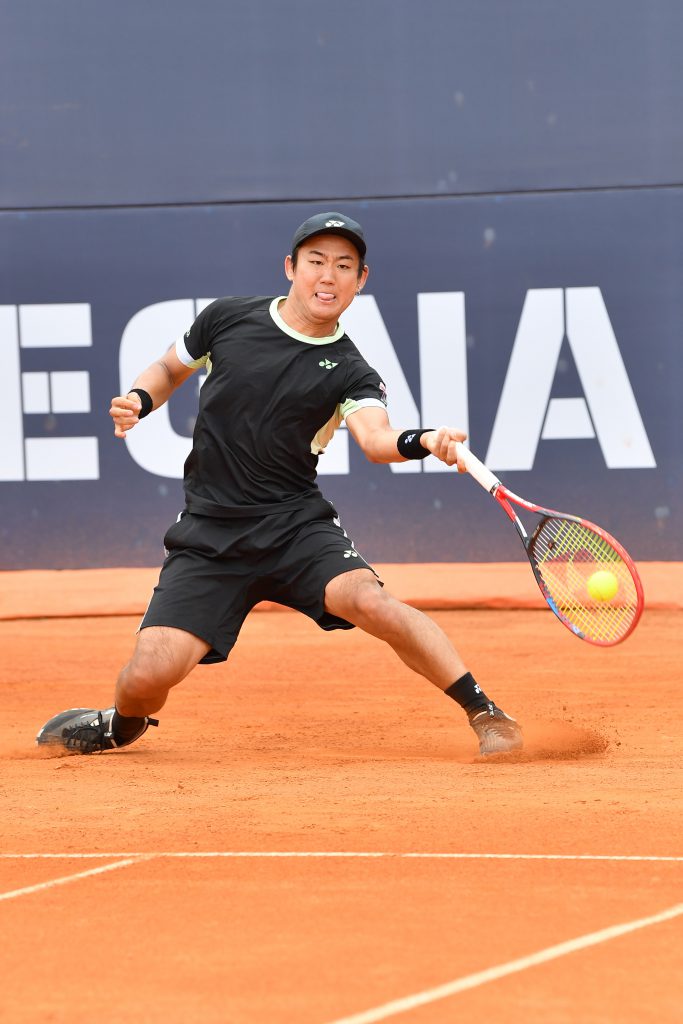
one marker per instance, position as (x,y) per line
(268,407)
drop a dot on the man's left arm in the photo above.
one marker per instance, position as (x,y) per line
(372,431)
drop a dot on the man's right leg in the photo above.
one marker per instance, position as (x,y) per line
(163,656)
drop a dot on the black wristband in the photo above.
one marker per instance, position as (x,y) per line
(408,444)
(145,401)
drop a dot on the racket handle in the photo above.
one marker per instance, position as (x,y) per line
(477,469)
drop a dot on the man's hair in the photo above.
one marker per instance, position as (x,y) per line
(361,265)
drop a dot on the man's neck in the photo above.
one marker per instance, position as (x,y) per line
(296,318)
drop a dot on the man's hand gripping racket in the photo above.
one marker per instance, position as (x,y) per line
(585,575)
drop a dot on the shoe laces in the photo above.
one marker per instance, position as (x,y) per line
(87,736)
(495,721)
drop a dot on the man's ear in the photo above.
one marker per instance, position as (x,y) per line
(289,268)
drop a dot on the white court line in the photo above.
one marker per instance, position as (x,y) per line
(370,855)
(27,890)
(452,988)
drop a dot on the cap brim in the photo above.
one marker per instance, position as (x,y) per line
(357,242)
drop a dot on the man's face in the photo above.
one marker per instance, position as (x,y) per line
(325,278)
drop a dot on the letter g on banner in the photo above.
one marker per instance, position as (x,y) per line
(154,444)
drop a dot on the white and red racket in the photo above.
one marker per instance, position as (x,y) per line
(572,560)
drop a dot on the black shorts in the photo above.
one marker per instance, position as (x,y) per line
(216,570)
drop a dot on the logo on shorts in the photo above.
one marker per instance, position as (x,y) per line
(327,364)
(350,553)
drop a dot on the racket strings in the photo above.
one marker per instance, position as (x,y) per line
(567,554)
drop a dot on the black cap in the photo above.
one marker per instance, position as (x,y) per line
(331,224)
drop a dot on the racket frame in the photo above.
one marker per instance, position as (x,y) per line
(506,498)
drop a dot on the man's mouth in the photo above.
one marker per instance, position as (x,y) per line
(325,296)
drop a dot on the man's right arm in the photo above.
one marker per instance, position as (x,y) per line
(159,380)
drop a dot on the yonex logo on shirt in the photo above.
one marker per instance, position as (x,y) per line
(327,364)
(351,554)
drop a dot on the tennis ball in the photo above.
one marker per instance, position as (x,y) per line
(603,585)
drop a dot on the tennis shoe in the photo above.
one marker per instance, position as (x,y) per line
(496,731)
(84,731)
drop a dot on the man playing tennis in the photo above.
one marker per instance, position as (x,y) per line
(282,376)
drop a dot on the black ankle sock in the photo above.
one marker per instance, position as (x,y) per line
(467,693)
(125,729)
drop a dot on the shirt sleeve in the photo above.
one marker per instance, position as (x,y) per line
(365,389)
(194,346)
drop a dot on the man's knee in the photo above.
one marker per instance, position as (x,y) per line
(141,678)
(372,604)
(162,657)
(358,598)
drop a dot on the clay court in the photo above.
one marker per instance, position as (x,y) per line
(310,837)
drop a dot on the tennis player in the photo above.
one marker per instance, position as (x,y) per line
(282,375)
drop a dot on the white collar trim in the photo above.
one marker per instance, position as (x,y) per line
(279,322)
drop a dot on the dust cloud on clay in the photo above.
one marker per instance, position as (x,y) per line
(554,741)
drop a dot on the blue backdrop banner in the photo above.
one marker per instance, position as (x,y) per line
(517,169)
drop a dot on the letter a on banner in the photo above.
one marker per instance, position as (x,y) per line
(608,409)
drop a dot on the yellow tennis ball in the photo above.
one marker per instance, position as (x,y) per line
(603,585)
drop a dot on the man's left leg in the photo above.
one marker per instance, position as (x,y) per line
(357,597)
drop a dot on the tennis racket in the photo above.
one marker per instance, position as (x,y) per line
(585,575)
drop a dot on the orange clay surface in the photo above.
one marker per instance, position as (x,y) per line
(310,837)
